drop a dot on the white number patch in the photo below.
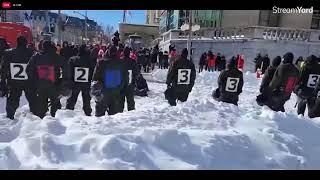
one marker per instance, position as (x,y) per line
(184,76)
(232,84)
(18,71)
(312,81)
(130,76)
(60,73)
(81,74)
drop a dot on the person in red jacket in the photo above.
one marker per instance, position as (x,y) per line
(211,61)
(241,62)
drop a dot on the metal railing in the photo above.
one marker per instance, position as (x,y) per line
(252,32)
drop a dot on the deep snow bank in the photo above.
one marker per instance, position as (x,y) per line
(198,134)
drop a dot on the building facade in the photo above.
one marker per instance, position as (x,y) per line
(147,32)
(247,32)
(72,28)
(153,17)
(173,19)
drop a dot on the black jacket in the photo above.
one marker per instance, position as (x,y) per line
(81,68)
(267,78)
(285,78)
(14,67)
(266,64)
(309,76)
(202,61)
(230,84)
(113,74)
(141,83)
(45,69)
(182,75)
(154,55)
(133,71)
(66,52)
(258,62)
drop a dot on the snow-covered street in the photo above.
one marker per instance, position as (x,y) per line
(198,134)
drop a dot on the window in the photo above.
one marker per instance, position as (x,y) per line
(315,23)
(268,18)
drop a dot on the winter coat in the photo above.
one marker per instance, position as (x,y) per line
(182,75)
(284,80)
(230,84)
(14,67)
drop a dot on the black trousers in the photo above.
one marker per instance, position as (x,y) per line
(276,103)
(86,98)
(303,103)
(44,95)
(129,95)
(146,68)
(13,100)
(172,96)
(109,103)
(200,68)
(314,111)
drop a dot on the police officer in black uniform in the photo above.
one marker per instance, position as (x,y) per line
(314,111)
(44,71)
(112,74)
(180,79)
(132,68)
(14,73)
(230,83)
(309,76)
(82,68)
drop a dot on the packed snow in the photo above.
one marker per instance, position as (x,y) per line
(198,134)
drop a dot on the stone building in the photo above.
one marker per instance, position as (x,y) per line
(250,32)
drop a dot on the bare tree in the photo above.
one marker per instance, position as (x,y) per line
(109,30)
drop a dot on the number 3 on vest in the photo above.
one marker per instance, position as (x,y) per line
(184,76)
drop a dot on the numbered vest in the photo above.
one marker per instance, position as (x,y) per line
(46,72)
(232,84)
(18,71)
(81,74)
(184,76)
(291,83)
(130,76)
(112,78)
(312,81)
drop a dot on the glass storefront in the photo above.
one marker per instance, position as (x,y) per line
(174,19)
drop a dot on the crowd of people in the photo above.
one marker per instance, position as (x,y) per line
(217,62)
(111,75)
(284,76)
(47,73)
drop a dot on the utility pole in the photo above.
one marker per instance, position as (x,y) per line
(190,35)
(59,27)
(124,16)
(86,27)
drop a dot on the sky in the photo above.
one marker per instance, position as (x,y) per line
(111,17)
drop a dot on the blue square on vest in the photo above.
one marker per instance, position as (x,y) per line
(112,78)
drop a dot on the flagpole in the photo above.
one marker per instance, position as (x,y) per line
(124,16)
